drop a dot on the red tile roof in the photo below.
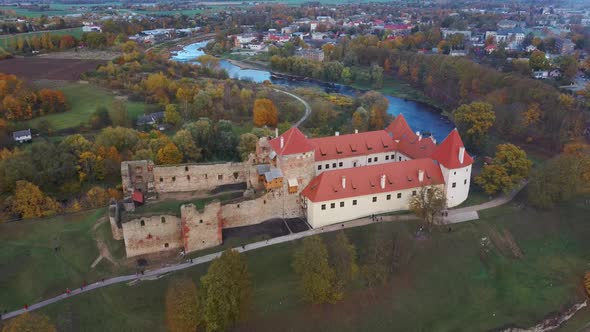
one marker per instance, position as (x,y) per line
(416,148)
(366,180)
(343,146)
(399,129)
(293,142)
(447,153)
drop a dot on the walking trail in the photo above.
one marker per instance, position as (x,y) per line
(306,104)
(455,216)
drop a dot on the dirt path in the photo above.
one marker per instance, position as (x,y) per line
(306,104)
(103,249)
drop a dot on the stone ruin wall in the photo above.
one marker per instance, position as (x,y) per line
(153,236)
(200,177)
(201,229)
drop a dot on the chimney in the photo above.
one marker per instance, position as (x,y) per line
(461,154)
(420,175)
(382,181)
(282,142)
(337,133)
(276,132)
(344,182)
(419,138)
(356,131)
(417,133)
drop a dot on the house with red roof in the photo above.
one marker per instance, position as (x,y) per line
(345,177)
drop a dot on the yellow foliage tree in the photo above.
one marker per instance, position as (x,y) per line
(29,322)
(532,115)
(182,305)
(169,154)
(96,197)
(30,202)
(265,113)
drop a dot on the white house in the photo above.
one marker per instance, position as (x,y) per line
(22,136)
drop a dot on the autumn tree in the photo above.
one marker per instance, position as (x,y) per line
(96,197)
(247,145)
(29,322)
(227,291)
(119,115)
(169,155)
(514,160)
(377,106)
(532,115)
(185,95)
(360,119)
(342,258)
(474,121)
(171,115)
(538,61)
(265,113)
(182,305)
(428,203)
(493,179)
(30,202)
(317,279)
(186,144)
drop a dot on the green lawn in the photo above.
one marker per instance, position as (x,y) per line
(449,283)
(32,270)
(84,99)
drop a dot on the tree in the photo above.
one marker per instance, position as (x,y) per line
(208,61)
(169,155)
(360,119)
(342,258)
(29,322)
(494,178)
(182,305)
(474,120)
(428,203)
(186,144)
(185,95)
(265,113)
(30,202)
(100,118)
(538,61)
(514,160)
(119,115)
(377,105)
(247,145)
(532,115)
(171,115)
(377,76)
(317,279)
(227,291)
(96,197)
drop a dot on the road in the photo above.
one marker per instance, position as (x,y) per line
(455,216)
(306,104)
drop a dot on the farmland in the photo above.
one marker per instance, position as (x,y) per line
(38,68)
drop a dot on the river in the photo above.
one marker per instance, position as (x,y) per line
(420,117)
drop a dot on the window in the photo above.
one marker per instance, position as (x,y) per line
(455,173)
(319,167)
(413,192)
(340,164)
(165,245)
(220,177)
(354,202)
(334,165)
(370,159)
(200,221)
(465,181)
(327,166)
(161,179)
(236,174)
(323,206)
(387,157)
(354,164)
(400,158)
(163,219)
(142,222)
(466,170)
(173,178)
(376,158)
(332,205)
(454,184)
(399,195)
(188,177)
(392,157)
(186,168)
(388,197)
(341,204)
(374,199)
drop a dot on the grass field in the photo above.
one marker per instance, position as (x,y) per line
(33,270)
(449,284)
(7,40)
(84,99)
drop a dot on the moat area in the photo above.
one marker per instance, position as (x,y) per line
(420,117)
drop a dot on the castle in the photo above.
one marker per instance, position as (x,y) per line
(324,180)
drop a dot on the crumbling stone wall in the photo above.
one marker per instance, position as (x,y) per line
(201,229)
(200,177)
(138,175)
(298,166)
(274,204)
(150,234)
(115,220)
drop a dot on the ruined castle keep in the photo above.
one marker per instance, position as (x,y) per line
(324,180)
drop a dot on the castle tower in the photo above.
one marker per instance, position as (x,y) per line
(455,164)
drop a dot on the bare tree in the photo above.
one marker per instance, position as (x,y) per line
(428,203)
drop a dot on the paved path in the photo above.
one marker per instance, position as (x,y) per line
(455,216)
(306,104)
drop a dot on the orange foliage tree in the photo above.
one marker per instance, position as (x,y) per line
(265,113)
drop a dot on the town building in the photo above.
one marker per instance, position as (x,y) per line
(310,54)
(323,180)
(22,136)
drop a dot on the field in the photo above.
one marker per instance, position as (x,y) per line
(84,99)
(39,68)
(5,40)
(33,269)
(450,283)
